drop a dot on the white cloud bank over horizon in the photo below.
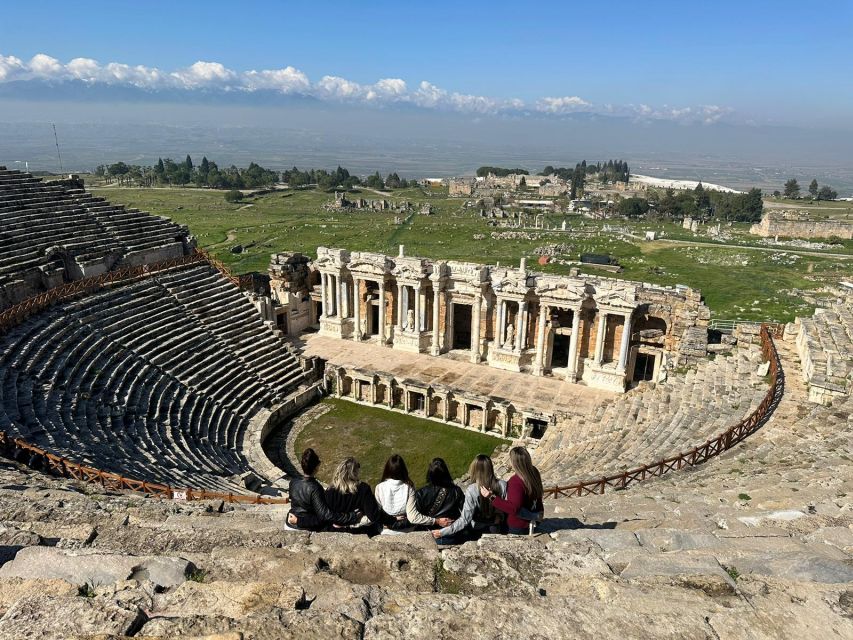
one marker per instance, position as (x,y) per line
(214,76)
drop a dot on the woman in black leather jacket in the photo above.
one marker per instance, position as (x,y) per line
(441,497)
(308,508)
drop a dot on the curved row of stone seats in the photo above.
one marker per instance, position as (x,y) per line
(36,217)
(132,380)
(135,230)
(653,421)
(203,292)
(54,232)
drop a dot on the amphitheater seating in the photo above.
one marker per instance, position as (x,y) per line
(157,379)
(52,232)
(652,421)
(825,346)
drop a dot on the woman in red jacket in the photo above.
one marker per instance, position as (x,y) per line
(523,494)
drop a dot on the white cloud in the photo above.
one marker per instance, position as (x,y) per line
(287,80)
(204,74)
(45,66)
(10,67)
(85,69)
(214,76)
(565,104)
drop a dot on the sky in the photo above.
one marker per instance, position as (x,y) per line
(751,90)
(788,63)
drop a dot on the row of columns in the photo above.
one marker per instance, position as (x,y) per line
(466,405)
(336,303)
(571,375)
(521,321)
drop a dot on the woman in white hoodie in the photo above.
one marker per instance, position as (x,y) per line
(396,495)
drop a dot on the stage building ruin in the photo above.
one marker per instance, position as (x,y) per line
(602,332)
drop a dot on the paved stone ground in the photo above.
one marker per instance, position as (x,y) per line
(544,394)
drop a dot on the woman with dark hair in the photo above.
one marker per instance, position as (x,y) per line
(478,515)
(308,508)
(523,502)
(440,498)
(347,492)
(396,495)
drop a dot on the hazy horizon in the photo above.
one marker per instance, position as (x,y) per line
(732,92)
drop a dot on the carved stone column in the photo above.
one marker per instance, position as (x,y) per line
(356,310)
(574,339)
(599,340)
(381,313)
(323,285)
(400,309)
(521,329)
(435,347)
(342,298)
(418,324)
(501,323)
(475,328)
(539,361)
(626,343)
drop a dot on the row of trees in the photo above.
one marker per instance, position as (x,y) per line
(501,172)
(167,172)
(207,173)
(610,171)
(701,203)
(816,192)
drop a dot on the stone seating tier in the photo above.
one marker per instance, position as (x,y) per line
(147,379)
(653,421)
(46,226)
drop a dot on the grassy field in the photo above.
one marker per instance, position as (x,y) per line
(737,283)
(371,435)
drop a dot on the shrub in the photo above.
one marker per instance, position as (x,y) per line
(235,195)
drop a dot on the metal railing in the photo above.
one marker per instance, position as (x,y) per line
(728,326)
(39,458)
(703,452)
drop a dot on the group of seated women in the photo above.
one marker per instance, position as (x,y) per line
(488,505)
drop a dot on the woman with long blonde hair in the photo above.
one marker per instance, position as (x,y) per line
(347,492)
(478,516)
(523,495)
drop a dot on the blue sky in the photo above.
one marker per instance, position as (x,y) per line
(764,62)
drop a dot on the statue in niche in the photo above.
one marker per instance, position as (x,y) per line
(509,343)
(410,320)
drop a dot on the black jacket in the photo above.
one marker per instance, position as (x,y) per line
(308,504)
(440,502)
(362,500)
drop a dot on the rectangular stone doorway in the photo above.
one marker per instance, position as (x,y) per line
(462,326)
(644,367)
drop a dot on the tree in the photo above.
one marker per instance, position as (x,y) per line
(703,200)
(522,183)
(777,194)
(792,189)
(633,207)
(813,188)
(233,196)
(826,193)
(188,163)
(375,181)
